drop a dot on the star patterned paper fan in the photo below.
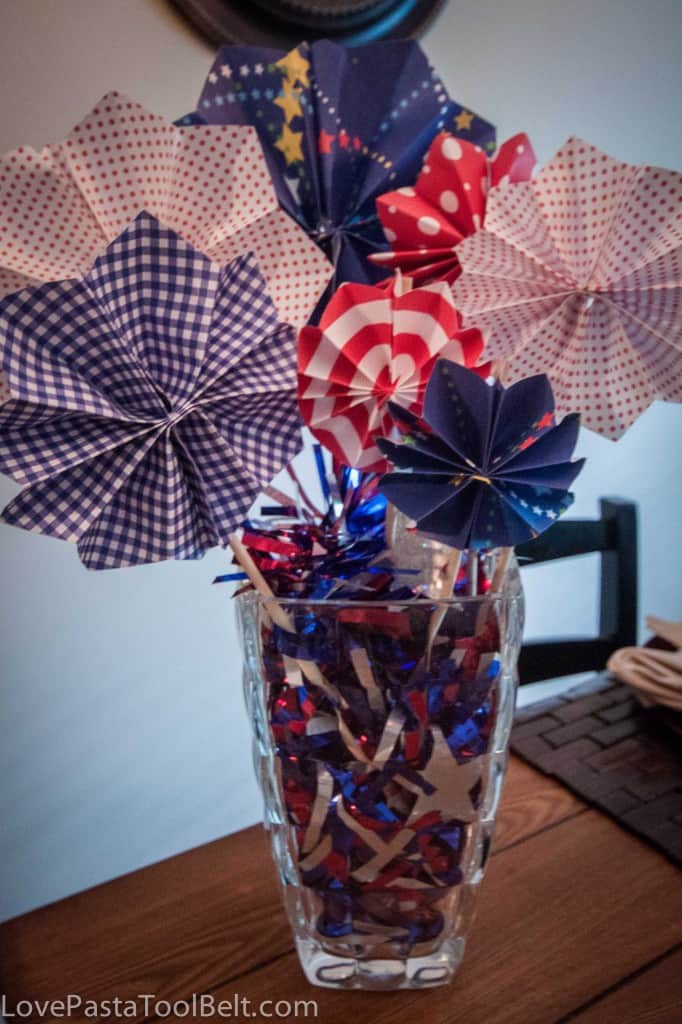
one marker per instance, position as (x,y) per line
(425,223)
(578,274)
(338,127)
(63,205)
(486,466)
(153,399)
(374,346)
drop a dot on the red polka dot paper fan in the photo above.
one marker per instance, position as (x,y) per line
(578,275)
(425,223)
(374,345)
(63,205)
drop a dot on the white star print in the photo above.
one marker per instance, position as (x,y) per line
(213,78)
(226,71)
(258,68)
(244,69)
(551,514)
(537,510)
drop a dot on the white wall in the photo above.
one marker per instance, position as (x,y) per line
(122,736)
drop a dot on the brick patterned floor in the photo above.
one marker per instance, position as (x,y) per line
(600,742)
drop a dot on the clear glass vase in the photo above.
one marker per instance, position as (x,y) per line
(380,744)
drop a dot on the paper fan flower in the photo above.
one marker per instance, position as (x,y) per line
(578,274)
(373,346)
(338,127)
(63,205)
(425,223)
(153,398)
(487,466)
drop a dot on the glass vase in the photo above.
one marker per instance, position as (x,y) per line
(380,744)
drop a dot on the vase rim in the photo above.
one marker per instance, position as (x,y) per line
(414,602)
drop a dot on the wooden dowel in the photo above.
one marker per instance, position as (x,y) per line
(501,566)
(472,571)
(450,572)
(391,525)
(280,617)
(275,610)
(305,498)
(402,284)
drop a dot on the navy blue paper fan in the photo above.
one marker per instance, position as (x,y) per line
(339,127)
(487,466)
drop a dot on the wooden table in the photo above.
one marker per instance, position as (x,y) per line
(578,920)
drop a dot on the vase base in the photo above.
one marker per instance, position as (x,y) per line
(330,970)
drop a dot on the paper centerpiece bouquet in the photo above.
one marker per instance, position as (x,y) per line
(155,339)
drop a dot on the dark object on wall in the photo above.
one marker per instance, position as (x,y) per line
(615,536)
(284,23)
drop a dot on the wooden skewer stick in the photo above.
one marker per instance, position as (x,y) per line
(275,610)
(401,287)
(450,572)
(391,526)
(403,284)
(280,617)
(305,498)
(500,369)
(501,566)
(472,571)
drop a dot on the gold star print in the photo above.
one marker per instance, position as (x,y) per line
(290,101)
(295,68)
(463,121)
(289,143)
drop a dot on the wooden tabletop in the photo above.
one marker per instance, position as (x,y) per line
(578,920)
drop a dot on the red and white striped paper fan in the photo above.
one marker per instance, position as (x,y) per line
(373,346)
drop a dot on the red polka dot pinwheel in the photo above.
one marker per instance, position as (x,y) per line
(63,205)
(425,224)
(578,274)
(373,346)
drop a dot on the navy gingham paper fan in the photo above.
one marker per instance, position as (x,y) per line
(487,466)
(152,399)
(338,127)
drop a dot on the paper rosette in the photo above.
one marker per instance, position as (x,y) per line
(578,274)
(424,223)
(63,205)
(374,346)
(487,466)
(338,128)
(152,400)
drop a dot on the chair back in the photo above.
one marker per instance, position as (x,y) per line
(614,535)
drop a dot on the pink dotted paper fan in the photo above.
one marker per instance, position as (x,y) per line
(374,346)
(63,205)
(424,224)
(577,274)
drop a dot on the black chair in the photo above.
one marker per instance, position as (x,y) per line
(614,534)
